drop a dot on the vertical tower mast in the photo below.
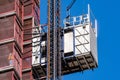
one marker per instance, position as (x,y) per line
(53,38)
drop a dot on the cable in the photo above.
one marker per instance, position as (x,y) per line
(83,7)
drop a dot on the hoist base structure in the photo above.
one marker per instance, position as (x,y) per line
(79,49)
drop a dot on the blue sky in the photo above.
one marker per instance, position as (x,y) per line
(107,13)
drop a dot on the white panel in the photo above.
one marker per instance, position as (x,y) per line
(85,40)
(43,43)
(36,47)
(68,42)
(36,52)
(35,59)
(82,39)
(43,61)
(93,44)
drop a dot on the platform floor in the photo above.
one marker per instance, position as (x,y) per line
(73,64)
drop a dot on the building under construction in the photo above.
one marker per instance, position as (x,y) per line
(32,51)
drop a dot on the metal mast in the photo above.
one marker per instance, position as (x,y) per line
(53,39)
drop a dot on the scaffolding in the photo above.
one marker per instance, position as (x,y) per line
(77,54)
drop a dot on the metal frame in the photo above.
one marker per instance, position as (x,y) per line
(53,39)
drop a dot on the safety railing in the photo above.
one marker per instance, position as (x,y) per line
(77,20)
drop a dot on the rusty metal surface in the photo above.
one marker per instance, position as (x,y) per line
(53,38)
(48,43)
